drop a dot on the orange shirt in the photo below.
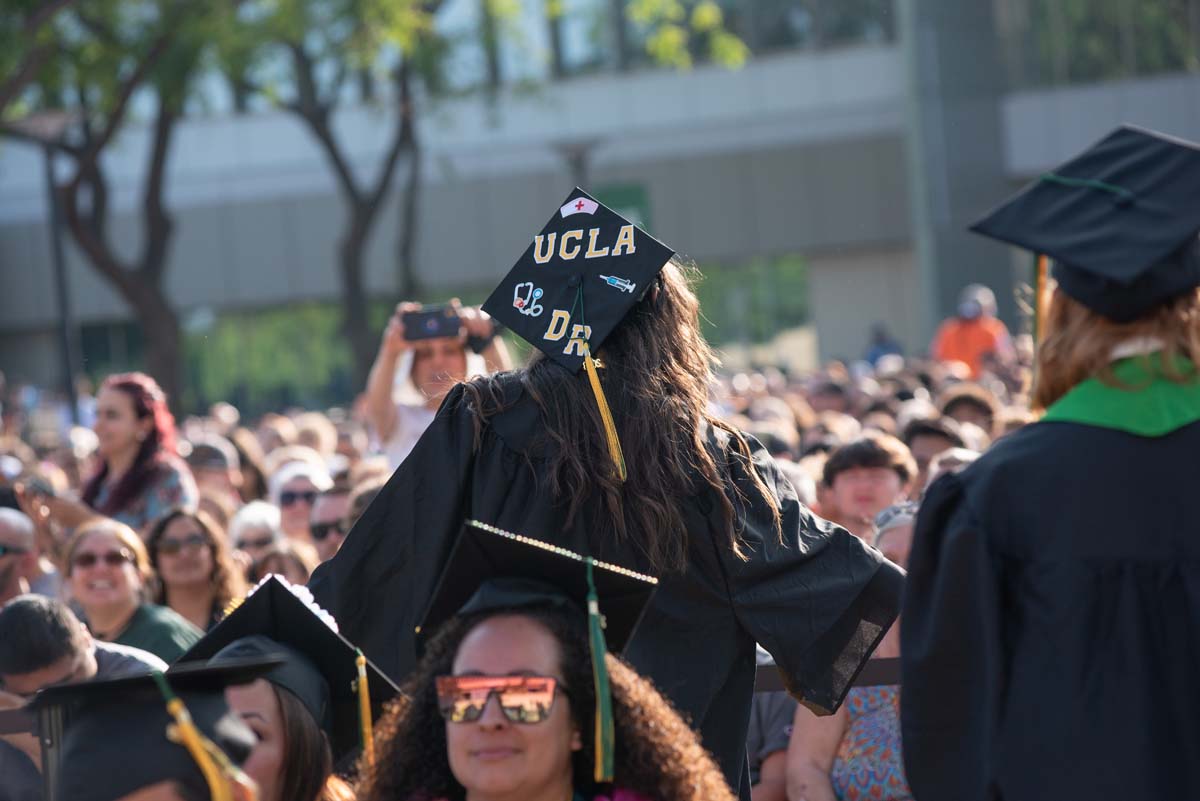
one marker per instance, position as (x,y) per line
(968,341)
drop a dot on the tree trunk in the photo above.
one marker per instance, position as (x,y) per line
(355,325)
(164,340)
(408,284)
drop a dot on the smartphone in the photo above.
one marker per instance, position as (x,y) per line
(431,322)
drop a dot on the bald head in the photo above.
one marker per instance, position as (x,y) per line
(16,529)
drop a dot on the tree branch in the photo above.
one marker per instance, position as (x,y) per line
(43,14)
(158,223)
(9,131)
(401,140)
(15,83)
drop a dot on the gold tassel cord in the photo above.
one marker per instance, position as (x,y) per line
(364,709)
(610,427)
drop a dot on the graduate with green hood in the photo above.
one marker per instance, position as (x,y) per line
(604,445)
(1049,636)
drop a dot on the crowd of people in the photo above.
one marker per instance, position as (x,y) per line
(488,582)
(145,532)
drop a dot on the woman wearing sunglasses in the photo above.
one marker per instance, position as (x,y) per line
(197,572)
(109,573)
(294,489)
(503,705)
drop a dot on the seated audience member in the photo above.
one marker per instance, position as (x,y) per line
(318,432)
(771,716)
(290,560)
(198,577)
(927,438)
(950,461)
(971,403)
(218,507)
(216,466)
(1013,419)
(109,574)
(867,476)
(855,754)
(275,431)
(360,498)
(328,518)
(19,563)
(255,529)
(42,643)
(830,396)
(294,489)
(250,458)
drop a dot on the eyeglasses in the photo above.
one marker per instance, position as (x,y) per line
(322,530)
(111,558)
(523,699)
(288,497)
(5,550)
(192,542)
(265,542)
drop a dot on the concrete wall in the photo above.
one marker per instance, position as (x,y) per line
(851,290)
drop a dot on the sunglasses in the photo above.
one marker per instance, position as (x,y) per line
(112,559)
(322,530)
(265,542)
(288,497)
(523,699)
(192,542)
(5,550)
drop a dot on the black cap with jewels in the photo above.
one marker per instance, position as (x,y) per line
(578,278)
(103,740)
(1120,221)
(318,665)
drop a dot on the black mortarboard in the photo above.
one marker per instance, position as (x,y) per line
(319,666)
(587,268)
(105,739)
(493,570)
(1120,220)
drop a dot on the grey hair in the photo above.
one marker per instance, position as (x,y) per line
(254,516)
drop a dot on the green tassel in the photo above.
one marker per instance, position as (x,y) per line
(604,715)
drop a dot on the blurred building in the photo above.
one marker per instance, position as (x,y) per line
(863,135)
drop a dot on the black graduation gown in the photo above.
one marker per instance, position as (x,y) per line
(1051,626)
(819,601)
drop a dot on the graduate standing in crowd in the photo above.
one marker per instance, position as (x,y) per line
(604,445)
(1050,617)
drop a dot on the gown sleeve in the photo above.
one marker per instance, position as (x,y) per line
(378,584)
(952,668)
(818,598)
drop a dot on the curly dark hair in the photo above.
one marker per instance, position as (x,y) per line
(657,755)
(227,581)
(657,376)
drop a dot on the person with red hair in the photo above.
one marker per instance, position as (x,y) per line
(140,475)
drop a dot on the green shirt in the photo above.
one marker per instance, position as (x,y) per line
(159,630)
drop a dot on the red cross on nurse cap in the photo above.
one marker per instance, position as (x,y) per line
(577,279)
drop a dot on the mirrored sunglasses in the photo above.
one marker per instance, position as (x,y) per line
(111,558)
(192,542)
(288,497)
(523,699)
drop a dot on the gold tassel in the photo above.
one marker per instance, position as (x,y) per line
(219,773)
(364,709)
(610,428)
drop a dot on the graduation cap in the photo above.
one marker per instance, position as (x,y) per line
(1120,220)
(495,570)
(332,679)
(105,739)
(575,283)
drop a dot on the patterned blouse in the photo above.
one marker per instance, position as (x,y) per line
(172,485)
(869,766)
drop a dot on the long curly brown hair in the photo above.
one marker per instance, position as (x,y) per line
(657,755)
(227,581)
(657,371)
